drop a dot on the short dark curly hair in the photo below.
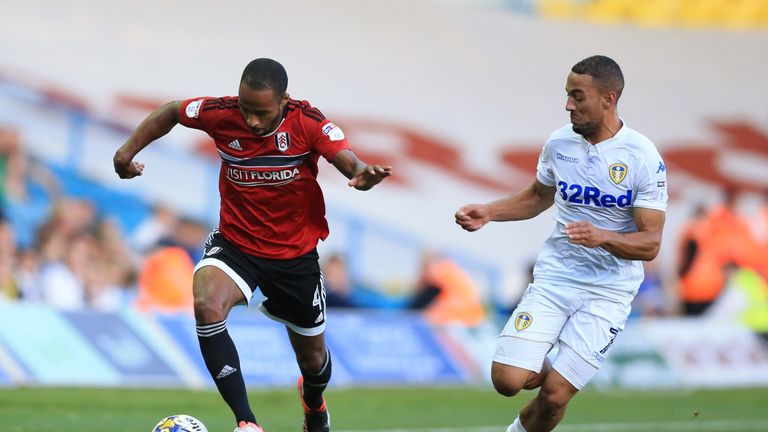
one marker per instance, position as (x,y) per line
(605,72)
(265,73)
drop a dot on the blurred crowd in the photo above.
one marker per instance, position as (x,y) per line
(443,291)
(722,267)
(79,258)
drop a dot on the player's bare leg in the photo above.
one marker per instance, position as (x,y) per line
(545,411)
(537,379)
(509,380)
(215,295)
(314,361)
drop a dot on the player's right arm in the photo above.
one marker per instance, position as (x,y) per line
(361,175)
(525,204)
(156,125)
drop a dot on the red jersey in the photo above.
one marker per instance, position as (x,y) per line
(271,203)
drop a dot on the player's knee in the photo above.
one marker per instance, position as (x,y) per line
(311,361)
(505,383)
(505,388)
(534,381)
(552,401)
(215,293)
(209,311)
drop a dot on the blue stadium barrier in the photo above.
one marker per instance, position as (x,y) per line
(160,350)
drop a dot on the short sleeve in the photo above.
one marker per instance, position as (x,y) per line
(329,139)
(651,183)
(191,113)
(544,173)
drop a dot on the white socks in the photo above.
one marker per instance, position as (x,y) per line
(516,426)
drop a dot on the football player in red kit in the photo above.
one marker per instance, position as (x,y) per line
(271,218)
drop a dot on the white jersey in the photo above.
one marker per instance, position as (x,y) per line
(600,184)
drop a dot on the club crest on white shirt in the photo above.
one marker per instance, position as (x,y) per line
(617,172)
(523,320)
(282,141)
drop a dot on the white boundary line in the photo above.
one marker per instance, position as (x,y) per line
(693,425)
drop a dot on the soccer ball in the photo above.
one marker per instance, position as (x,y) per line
(180,423)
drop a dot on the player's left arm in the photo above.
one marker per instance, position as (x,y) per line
(361,175)
(642,244)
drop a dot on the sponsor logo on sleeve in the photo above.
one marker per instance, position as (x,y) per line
(333,132)
(193,108)
(661,183)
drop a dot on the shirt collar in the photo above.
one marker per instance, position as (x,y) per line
(610,142)
(274,131)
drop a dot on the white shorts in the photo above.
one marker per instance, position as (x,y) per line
(584,323)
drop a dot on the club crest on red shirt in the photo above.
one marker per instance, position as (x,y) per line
(282,141)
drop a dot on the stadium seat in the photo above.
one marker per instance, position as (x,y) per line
(723,14)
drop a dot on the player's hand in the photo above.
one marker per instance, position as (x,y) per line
(585,234)
(370,176)
(126,168)
(472,217)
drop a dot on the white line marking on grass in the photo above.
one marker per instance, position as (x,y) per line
(693,425)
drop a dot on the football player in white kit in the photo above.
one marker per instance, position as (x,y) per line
(609,185)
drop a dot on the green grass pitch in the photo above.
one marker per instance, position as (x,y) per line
(382,409)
